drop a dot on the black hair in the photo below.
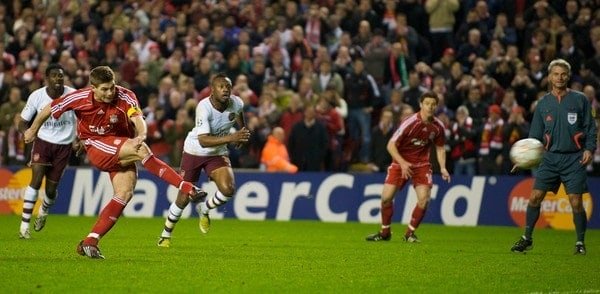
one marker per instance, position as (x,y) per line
(220,75)
(429,94)
(53,66)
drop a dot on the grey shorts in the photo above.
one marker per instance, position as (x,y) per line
(557,168)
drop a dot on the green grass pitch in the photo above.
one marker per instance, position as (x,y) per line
(291,257)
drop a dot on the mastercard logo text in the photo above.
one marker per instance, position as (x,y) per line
(556,209)
(12,189)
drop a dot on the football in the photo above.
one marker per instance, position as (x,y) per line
(527,153)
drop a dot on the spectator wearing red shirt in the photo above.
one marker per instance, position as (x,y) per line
(292,115)
(334,123)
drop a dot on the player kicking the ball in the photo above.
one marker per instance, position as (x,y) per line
(410,147)
(111,125)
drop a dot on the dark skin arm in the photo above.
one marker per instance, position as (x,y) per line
(242,123)
(238,138)
(22,125)
(41,117)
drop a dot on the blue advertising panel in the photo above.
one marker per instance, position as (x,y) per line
(328,197)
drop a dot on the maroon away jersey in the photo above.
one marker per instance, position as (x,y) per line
(414,137)
(98,119)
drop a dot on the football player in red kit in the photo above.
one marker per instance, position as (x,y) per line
(409,148)
(112,129)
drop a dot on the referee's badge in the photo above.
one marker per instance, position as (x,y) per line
(572,117)
(36,157)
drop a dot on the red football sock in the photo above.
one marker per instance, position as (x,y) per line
(387,211)
(106,220)
(162,170)
(417,216)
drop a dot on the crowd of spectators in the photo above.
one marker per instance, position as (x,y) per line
(336,76)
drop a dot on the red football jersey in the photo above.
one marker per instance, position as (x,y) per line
(414,138)
(98,119)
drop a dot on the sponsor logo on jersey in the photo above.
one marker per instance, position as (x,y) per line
(556,211)
(418,142)
(98,130)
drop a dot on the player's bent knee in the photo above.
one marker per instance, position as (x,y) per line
(535,202)
(536,198)
(124,195)
(51,193)
(576,203)
(129,153)
(423,203)
(386,201)
(144,150)
(228,191)
(36,181)
(182,199)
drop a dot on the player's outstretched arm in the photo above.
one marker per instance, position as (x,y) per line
(41,117)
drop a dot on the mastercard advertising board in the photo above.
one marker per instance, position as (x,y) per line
(555,211)
(12,189)
(327,197)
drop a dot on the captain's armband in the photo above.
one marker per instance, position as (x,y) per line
(134,111)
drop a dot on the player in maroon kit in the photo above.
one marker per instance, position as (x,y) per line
(111,126)
(409,148)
